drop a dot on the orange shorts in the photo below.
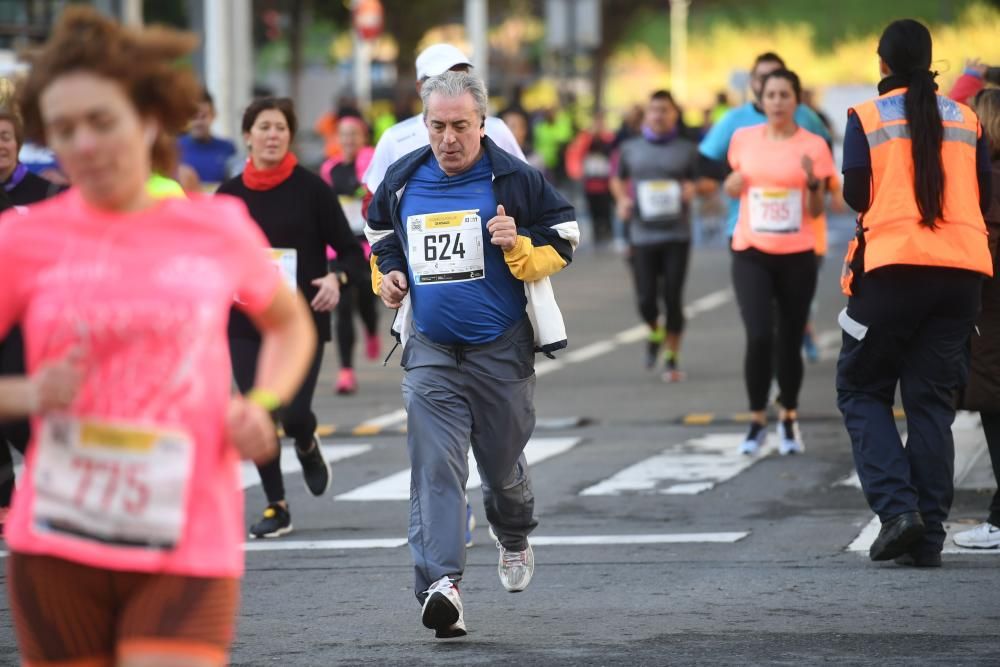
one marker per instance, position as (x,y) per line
(72,615)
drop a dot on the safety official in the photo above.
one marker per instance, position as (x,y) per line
(913,274)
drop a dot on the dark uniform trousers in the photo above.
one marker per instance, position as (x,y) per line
(911,325)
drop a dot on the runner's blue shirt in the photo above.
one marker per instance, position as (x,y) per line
(715,145)
(209,158)
(473,312)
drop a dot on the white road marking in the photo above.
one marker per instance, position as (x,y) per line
(591,351)
(634,334)
(710,301)
(314,545)
(397,486)
(394,418)
(693,467)
(665,538)
(290,462)
(536,541)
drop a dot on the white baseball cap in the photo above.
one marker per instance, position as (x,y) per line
(438,59)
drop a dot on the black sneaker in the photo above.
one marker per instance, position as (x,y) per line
(275,522)
(315,469)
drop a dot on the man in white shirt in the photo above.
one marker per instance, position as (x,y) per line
(409,135)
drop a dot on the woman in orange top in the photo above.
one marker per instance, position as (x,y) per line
(914,276)
(778,173)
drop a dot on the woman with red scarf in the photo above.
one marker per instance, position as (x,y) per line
(300,216)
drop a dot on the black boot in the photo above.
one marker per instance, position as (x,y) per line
(897,535)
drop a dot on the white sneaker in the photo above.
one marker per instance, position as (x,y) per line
(983,536)
(790,438)
(442,611)
(515,568)
(755,439)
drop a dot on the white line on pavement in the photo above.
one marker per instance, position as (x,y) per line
(397,485)
(590,351)
(695,466)
(539,541)
(384,421)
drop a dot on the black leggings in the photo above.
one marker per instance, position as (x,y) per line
(297,419)
(661,264)
(16,433)
(768,286)
(991,428)
(360,299)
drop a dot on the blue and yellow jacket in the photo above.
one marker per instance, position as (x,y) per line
(547,236)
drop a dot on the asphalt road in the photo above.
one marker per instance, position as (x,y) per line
(657,544)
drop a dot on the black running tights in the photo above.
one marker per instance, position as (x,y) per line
(297,419)
(774,293)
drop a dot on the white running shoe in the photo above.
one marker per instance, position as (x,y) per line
(442,611)
(790,438)
(983,536)
(755,439)
(515,568)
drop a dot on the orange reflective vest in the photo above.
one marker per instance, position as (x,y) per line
(890,231)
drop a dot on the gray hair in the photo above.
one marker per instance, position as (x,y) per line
(456,84)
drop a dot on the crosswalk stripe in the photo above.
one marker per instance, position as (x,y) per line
(693,467)
(536,541)
(290,463)
(397,485)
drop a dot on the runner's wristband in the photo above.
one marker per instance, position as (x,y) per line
(266,399)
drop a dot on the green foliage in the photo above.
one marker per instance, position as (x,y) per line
(832,21)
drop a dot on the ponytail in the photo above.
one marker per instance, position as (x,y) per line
(926,135)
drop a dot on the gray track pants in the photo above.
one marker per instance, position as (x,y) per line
(455,395)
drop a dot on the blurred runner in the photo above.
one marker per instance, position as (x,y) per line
(983,391)
(21,188)
(131,501)
(715,146)
(778,171)
(300,217)
(210,156)
(345,175)
(653,188)
(588,160)
(411,134)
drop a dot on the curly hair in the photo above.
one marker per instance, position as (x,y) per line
(143,62)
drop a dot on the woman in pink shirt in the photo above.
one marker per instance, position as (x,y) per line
(126,535)
(778,174)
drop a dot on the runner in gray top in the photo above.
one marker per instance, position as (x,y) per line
(653,190)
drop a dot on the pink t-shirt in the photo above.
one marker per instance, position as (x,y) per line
(147,297)
(773,206)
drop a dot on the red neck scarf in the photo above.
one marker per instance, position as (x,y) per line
(265,179)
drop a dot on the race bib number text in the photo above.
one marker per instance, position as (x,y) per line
(659,199)
(775,210)
(446,247)
(111,482)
